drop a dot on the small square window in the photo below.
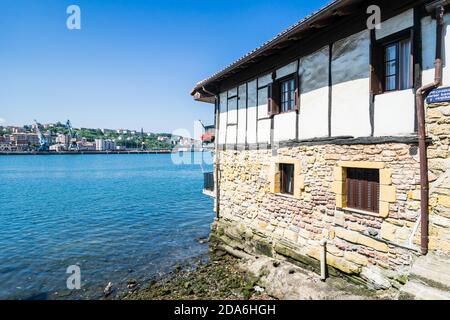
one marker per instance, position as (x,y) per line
(287,95)
(287,178)
(363,189)
(397,65)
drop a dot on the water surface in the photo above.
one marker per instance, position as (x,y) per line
(116,216)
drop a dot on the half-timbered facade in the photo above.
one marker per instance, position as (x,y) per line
(324,135)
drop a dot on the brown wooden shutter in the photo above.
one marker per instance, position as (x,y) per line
(363,189)
(412,62)
(376,66)
(297,92)
(273,98)
(283,179)
(270,99)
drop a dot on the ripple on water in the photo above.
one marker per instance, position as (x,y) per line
(107,213)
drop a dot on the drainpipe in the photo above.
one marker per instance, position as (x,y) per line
(420,103)
(323,260)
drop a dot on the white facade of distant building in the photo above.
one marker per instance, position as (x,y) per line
(105,145)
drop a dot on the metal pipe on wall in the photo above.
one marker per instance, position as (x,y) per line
(422,92)
(323,260)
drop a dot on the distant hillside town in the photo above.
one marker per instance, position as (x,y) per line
(61,137)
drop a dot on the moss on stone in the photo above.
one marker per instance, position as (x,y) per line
(263,247)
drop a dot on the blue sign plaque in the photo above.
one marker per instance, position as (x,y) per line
(439,95)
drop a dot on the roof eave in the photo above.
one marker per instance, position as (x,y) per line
(302,25)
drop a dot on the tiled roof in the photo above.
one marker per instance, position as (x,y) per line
(268,44)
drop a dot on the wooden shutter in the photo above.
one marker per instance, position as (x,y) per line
(363,189)
(376,65)
(273,98)
(297,92)
(412,60)
(270,99)
(282,179)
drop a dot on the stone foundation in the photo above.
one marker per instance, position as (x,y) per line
(376,249)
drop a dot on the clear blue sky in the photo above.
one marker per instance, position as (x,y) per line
(132,64)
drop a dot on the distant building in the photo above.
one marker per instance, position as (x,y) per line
(17,129)
(23,140)
(86,146)
(107,131)
(5,146)
(32,138)
(105,145)
(63,139)
(58,147)
(163,139)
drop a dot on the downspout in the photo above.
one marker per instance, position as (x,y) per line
(420,102)
(216,153)
(323,260)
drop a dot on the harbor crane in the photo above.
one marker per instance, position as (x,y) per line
(43,141)
(72,137)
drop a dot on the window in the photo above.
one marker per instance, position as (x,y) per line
(397,65)
(287,97)
(283,95)
(363,189)
(287,178)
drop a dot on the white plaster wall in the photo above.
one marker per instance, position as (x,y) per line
(350,113)
(242,114)
(313,121)
(222,127)
(398,23)
(264,131)
(222,118)
(350,103)
(251,112)
(284,126)
(231,134)
(251,125)
(232,92)
(262,96)
(264,80)
(263,107)
(429,49)
(232,109)
(447,50)
(394,113)
(287,70)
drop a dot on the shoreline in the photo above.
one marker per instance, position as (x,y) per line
(47,153)
(219,277)
(231,275)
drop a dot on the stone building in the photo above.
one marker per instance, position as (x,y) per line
(326,139)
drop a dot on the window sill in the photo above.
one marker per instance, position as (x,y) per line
(286,112)
(395,91)
(367,213)
(285,195)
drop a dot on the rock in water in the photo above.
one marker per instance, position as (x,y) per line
(108,289)
(202,240)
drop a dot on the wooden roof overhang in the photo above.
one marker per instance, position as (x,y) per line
(335,21)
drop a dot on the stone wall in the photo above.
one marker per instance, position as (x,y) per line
(377,249)
(438,126)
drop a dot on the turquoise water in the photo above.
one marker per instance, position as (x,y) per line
(115,216)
